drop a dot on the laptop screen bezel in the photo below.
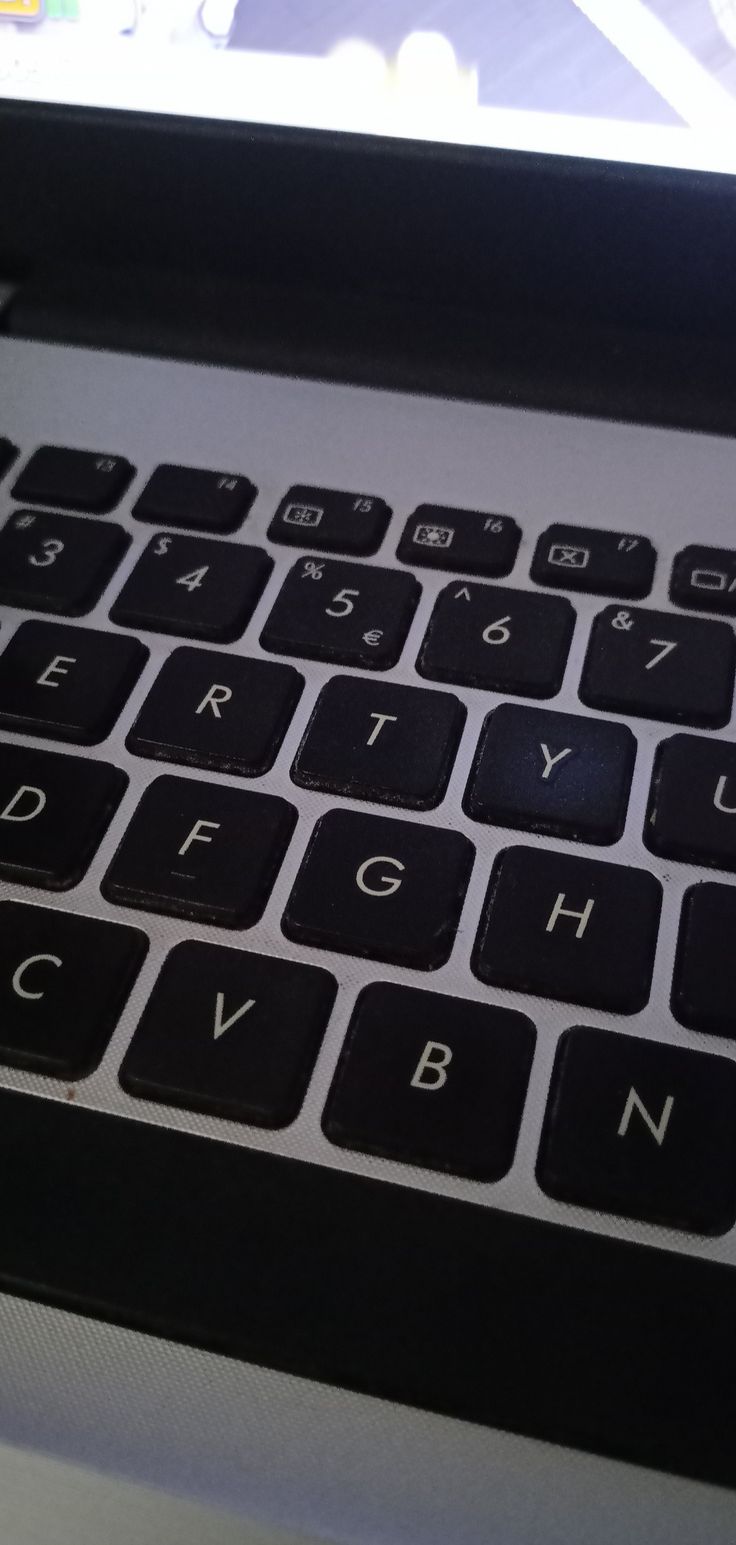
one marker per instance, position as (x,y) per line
(493,231)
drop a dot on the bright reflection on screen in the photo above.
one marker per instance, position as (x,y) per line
(633,80)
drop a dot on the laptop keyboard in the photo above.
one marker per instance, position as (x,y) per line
(554,925)
(429,1083)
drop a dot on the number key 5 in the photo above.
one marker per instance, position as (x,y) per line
(660,666)
(348,613)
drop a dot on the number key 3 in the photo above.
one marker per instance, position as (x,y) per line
(57,563)
(661,666)
(193,586)
(348,613)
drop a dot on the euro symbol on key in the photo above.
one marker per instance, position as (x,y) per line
(373,637)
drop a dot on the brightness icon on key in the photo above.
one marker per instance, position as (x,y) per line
(302,515)
(433,536)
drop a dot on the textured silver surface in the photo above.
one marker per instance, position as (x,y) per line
(45,1502)
(670,486)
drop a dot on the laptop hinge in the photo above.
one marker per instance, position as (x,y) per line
(386,341)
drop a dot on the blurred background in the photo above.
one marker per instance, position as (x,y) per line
(375,64)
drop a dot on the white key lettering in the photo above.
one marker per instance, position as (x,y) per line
(657,1128)
(551,761)
(55,667)
(50,549)
(497,632)
(197,835)
(221,1025)
(343,602)
(389,884)
(718,797)
(665,646)
(431,1069)
(193,581)
(559,910)
(382,718)
(213,698)
(20,794)
(25,965)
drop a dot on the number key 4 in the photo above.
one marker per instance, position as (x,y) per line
(660,666)
(193,586)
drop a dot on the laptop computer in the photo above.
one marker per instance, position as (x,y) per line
(367,777)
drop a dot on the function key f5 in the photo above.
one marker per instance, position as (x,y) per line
(331,521)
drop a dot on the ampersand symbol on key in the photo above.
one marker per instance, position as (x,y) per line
(623,621)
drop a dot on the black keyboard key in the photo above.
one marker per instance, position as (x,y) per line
(73,480)
(571,928)
(498,640)
(642,1129)
(376,740)
(230,1033)
(660,666)
(332,521)
(195,499)
(553,773)
(392,890)
(432,1080)
(704,986)
(704,578)
(692,803)
(599,562)
(63,982)
(193,586)
(8,454)
(67,683)
(202,851)
(467,541)
(217,711)
(345,613)
(57,563)
(54,812)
